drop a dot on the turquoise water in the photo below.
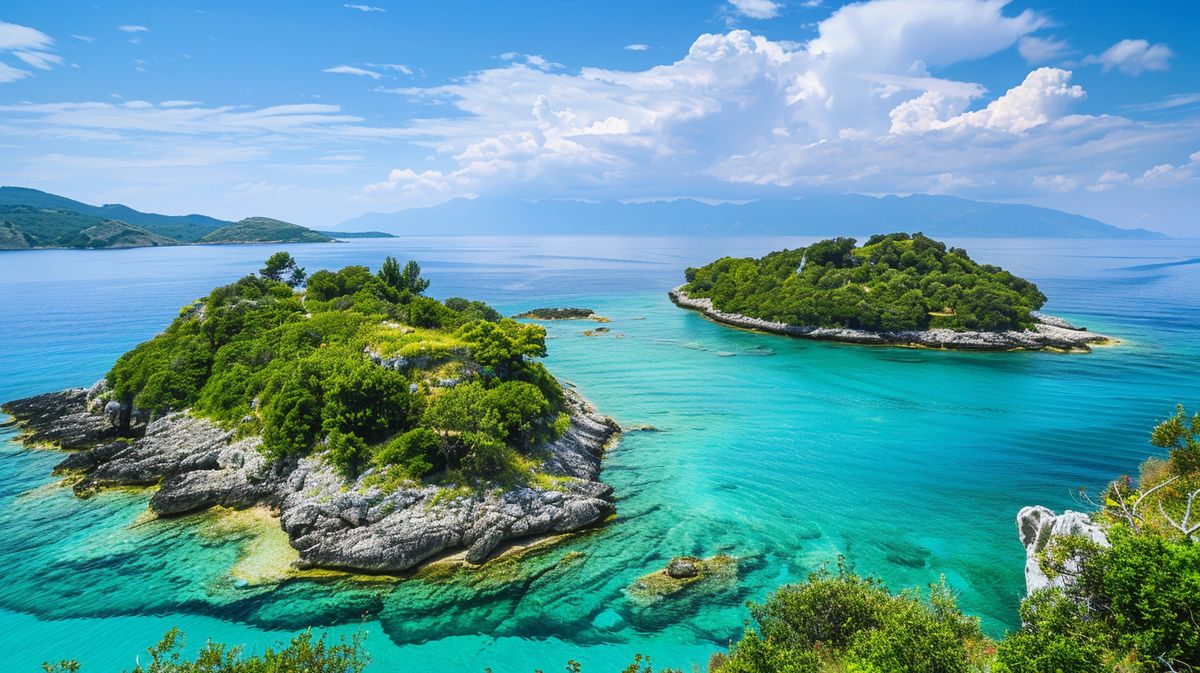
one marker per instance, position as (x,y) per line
(784,453)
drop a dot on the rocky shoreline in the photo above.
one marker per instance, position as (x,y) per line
(330,521)
(1050,333)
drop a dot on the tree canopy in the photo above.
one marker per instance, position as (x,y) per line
(893,282)
(359,367)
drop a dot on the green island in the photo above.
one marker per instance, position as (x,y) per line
(428,424)
(1122,597)
(895,288)
(34,219)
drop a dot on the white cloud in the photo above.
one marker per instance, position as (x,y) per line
(84,38)
(756,9)
(28,45)
(637,47)
(133,29)
(1042,97)
(11,74)
(138,118)
(364,8)
(397,67)
(1170,102)
(1040,50)
(1109,180)
(351,70)
(1055,183)
(1133,57)
(741,116)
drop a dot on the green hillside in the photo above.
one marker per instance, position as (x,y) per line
(264,230)
(186,228)
(30,227)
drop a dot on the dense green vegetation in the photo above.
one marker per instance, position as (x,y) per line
(186,228)
(461,396)
(303,654)
(27,227)
(893,282)
(264,230)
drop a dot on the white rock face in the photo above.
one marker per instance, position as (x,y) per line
(1038,526)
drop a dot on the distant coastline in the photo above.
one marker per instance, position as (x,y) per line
(1050,333)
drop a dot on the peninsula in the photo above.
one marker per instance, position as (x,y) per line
(31,219)
(896,289)
(382,426)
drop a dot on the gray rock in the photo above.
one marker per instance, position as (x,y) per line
(1038,527)
(332,523)
(683,567)
(1048,332)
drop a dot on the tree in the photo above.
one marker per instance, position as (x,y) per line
(282,268)
(406,281)
(411,280)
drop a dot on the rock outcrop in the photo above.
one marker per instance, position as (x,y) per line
(1049,333)
(333,523)
(1038,527)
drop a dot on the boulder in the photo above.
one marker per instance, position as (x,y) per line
(1038,527)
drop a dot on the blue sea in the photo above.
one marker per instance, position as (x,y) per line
(783,453)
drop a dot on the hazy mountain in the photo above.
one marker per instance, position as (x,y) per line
(852,214)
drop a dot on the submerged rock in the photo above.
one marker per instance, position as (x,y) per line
(331,522)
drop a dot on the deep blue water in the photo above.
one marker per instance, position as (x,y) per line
(784,453)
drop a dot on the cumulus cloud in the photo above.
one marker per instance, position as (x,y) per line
(1133,57)
(740,114)
(1040,50)
(351,70)
(30,46)
(756,9)
(1043,96)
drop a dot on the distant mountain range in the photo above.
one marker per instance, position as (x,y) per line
(34,219)
(848,215)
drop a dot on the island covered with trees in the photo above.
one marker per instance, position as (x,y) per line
(894,289)
(384,426)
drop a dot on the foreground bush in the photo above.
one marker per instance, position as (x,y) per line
(303,654)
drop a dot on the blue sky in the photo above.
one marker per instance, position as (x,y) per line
(318,111)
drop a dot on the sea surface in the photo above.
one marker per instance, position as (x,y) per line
(783,453)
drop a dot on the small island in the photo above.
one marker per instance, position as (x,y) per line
(383,427)
(556,314)
(895,289)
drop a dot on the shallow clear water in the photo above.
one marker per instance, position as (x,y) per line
(784,453)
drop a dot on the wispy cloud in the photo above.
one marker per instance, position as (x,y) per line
(133,29)
(364,8)
(756,9)
(1169,103)
(637,47)
(1041,50)
(351,70)
(1133,57)
(28,45)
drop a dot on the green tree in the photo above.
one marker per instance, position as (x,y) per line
(282,268)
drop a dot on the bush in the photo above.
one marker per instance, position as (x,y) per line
(859,625)
(303,654)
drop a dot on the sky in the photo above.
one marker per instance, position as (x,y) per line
(318,111)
